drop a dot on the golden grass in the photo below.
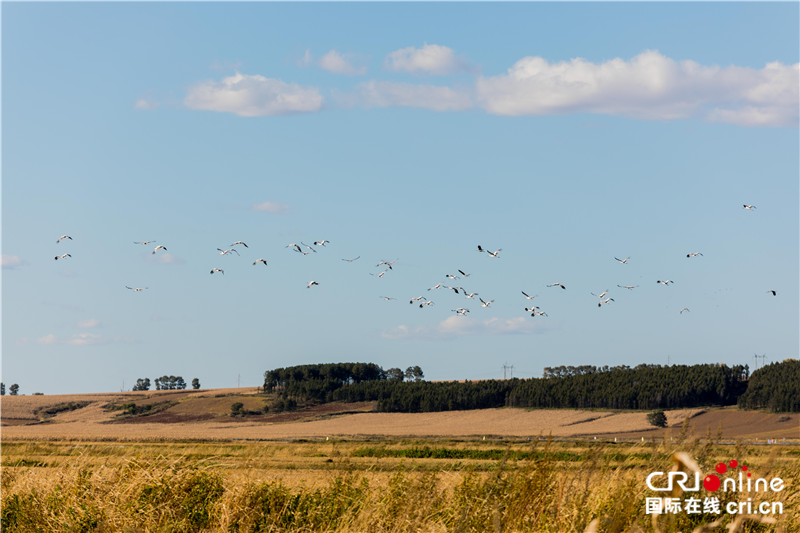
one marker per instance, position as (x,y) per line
(326,486)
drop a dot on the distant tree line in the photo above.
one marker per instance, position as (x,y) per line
(165,383)
(775,387)
(644,387)
(319,382)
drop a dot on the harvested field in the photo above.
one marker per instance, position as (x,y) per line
(205,415)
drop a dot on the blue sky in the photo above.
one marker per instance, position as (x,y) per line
(565,134)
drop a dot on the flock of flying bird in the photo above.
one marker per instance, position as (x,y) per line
(305,249)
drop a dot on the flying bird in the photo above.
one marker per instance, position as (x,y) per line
(605,301)
(494,254)
(387,298)
(136,289)
(307,246)
(260,261)
(379,275)
(456,289)
(311,283)
(461,311)
(528,297)
(387,263)
(557,285)
(62,256)
(450,276)
(665,282)
(417,298)
(437,286)
(351,260)
(423,304)
(485,304)
(62,238)
(471,295)
(531,309)
(601,294)
(773,293)
(320,243)
(695,254)
(629,287)
(224,252)
(538,313)
(159,247)
(685,309)
(623,261)
(293,245)
(480,249)
(142,242)
(749,207)
(217,270)
(239,242)
(464,274)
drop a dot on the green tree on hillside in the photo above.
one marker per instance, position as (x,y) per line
(142,384)
(195,383)
(14,389)
(2,389)
(657,418)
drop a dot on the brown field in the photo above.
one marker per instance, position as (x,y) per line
(343,468)
(204,415)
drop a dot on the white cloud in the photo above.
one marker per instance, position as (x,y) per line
(305,60)
(145,105)
(165,258)
(253,96)
(10,262)
(47,339)
(84,339)
(430,59)
(337,63)
(22,341)
(273,208)
(458,326)
(392,94)
(225,65)
(649,86)
(89,323)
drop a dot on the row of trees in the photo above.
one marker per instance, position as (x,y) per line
(165,383)
(13,389)
(775,387)
(644,387)
(319,382)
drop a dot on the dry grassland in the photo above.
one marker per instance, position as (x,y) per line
(352,486)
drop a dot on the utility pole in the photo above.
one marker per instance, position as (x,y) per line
(756,356)
(764,360)
(510,369)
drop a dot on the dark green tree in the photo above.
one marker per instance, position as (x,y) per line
(236,408)
(395,374)
(195,383)
(142,384)
(2,389)
(14,389)
(180,384)
(414,373)
(657,418)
